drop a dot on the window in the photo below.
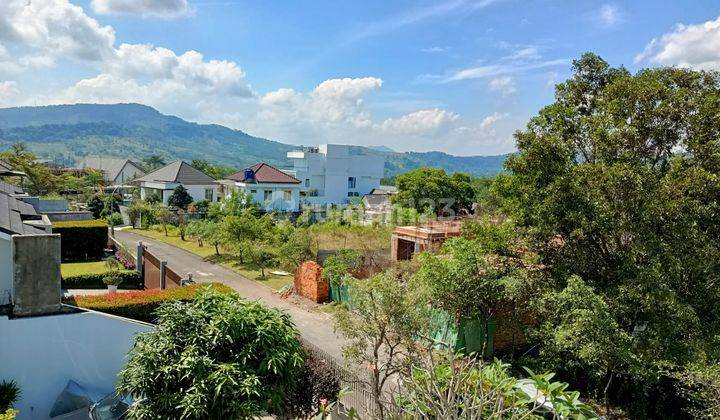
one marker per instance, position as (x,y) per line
(307,182)
(253,191)
(353,194)
(209,194)
(267,195)
(287,195)
(351,182)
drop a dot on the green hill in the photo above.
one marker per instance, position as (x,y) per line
(66,133)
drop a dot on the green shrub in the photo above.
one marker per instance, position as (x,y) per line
(141,305)
(130,280)
(112,280)
(9,414)
(82,240)
(9,394)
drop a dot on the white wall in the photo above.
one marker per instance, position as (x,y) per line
(6,271)
(42,353)
(128,173)
(277,202)
(329,170)
(197,192)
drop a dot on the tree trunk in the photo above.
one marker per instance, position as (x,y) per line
(608,414)
(217,251)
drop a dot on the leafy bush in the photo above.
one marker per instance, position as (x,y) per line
(112,280)
(82,240)
(180,198)
(130,280)
(141,305)
(216,357)
(9,394)
(317,382)
(9,414)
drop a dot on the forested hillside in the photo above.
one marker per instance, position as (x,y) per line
(64,133)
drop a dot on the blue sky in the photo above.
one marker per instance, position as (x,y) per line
(456,76)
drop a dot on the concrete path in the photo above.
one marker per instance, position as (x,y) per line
(314,326)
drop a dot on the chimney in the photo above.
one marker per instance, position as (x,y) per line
(36,280)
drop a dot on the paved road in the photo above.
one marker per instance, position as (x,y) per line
(314,326)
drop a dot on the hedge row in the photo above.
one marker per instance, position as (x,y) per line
(82,240)
(131,280)
(141,305)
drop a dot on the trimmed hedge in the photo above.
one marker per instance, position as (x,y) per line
(141,305)
(82,240)
(131,280)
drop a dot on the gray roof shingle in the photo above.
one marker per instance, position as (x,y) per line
(178,172)
(13,215)
(110,166)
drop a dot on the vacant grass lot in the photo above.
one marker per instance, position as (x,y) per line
(225,259)
(74,269)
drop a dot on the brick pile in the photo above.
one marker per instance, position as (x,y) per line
(310,283)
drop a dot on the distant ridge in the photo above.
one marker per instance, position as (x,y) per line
(66,133)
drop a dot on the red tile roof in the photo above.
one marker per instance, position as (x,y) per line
(265,174)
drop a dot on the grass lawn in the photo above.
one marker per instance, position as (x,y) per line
(74,269)
(208,252)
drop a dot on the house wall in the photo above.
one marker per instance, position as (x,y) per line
(43,353)
(128,173)
(329,169)
(277,202)
(6,268)
(197,192)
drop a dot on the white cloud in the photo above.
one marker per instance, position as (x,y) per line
(8,91)
(143,8)
(435,49)
(505,85)
(693,46)
(609,15)
(419,122)
(489,121)
(56,28)
(493,70)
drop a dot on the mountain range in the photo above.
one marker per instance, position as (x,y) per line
(66,133)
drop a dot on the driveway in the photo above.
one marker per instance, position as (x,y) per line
(314,326)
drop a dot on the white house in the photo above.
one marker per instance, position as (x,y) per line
(118,172)
(272,188)
(334,173)
(163,182)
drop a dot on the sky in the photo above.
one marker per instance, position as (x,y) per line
(458,76)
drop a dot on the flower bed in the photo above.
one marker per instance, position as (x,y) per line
(141,305)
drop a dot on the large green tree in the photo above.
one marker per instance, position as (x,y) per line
(618,181)
(216,357)
(433,190)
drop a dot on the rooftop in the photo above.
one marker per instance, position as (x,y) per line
(110,166)
(263,174)
(178,172)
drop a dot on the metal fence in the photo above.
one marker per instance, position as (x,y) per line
(357,394)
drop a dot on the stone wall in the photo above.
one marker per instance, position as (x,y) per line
(310,283)
(36,283)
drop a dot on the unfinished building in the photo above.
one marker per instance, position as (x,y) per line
(410,240)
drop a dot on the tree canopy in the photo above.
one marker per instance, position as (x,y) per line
(215,357)
(433,190)
(617,182)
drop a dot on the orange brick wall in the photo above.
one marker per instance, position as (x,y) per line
(310,283)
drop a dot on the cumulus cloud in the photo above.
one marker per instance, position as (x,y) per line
(143,8)
(504,85)
(692,46)
(425,121)
(489,121)
(55,27)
